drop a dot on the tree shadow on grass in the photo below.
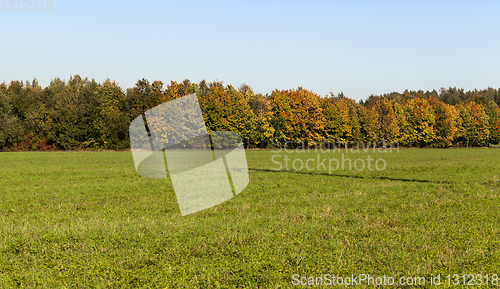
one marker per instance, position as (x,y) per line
(351,176)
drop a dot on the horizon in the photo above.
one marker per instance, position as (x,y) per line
(124,89)
(358,48)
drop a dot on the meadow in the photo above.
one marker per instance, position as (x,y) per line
(87,220)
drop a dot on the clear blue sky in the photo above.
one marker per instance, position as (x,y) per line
(358,47)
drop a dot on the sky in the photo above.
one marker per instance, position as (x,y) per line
(356,47)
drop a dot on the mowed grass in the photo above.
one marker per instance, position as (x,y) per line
(86,219)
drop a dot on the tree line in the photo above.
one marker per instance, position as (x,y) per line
(85,114)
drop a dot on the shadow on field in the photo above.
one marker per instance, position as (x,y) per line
(352,176)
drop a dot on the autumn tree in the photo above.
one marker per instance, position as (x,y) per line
(226,109)
(420,120)
(338,126)
(446,120)
(485,99)
(175,90)
(387,120)
(369,125)
(297,115)
(262,109)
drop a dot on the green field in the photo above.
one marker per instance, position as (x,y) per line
(86,219)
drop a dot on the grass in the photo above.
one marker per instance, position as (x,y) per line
(86,219)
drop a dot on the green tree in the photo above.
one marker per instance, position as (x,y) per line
(111,124)
(74,109)
(11,130)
